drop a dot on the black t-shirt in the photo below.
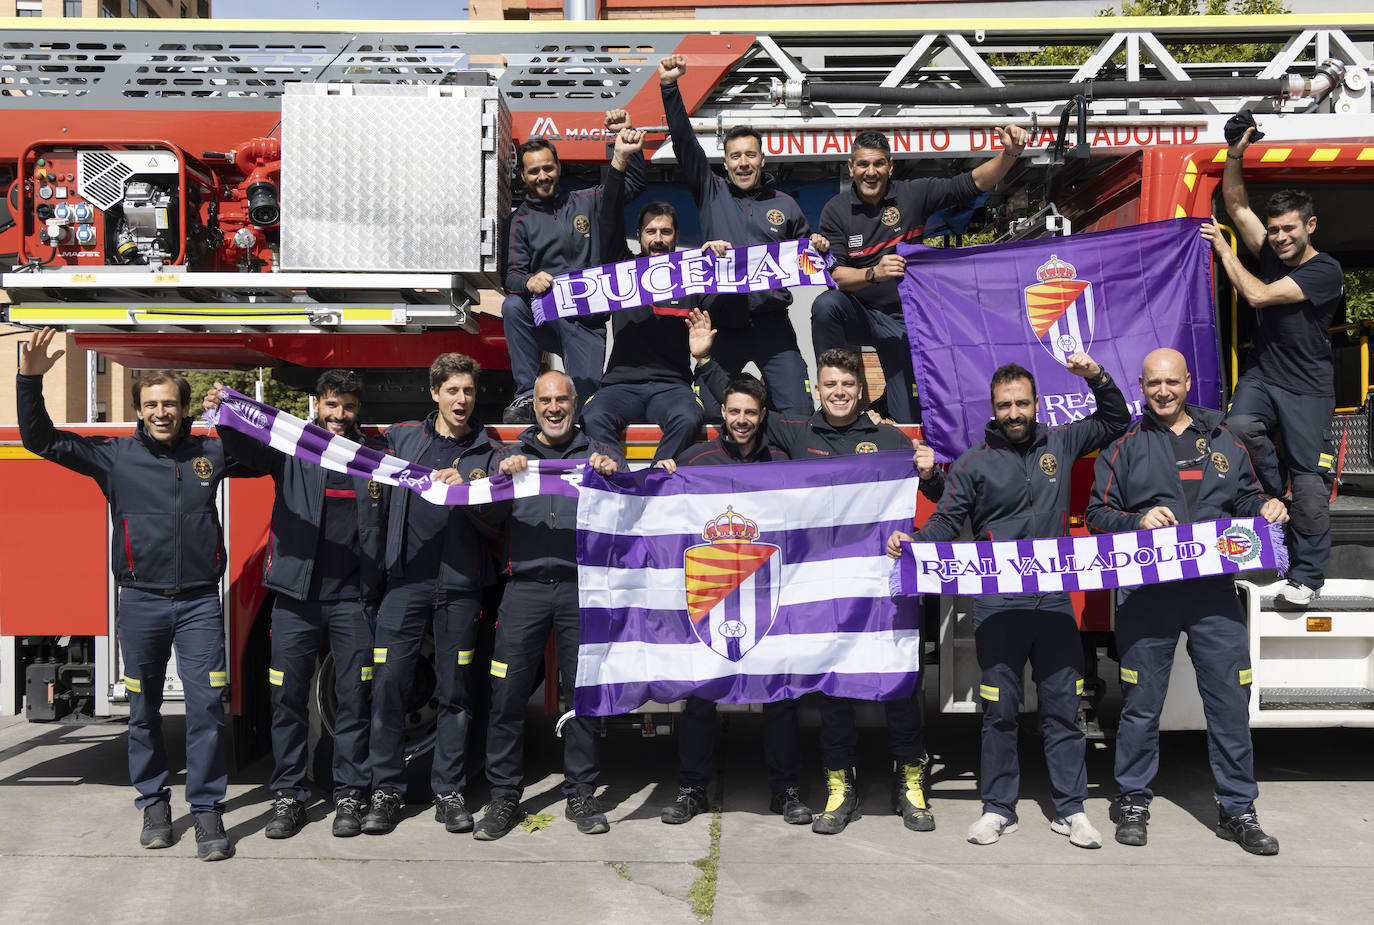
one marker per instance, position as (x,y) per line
(1292,348)
(335,576)
(1191,454)
(650,344)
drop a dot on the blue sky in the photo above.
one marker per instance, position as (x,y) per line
(340,9)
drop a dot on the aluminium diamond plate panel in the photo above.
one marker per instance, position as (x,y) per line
(390,178)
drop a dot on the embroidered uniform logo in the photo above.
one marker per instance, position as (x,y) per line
(1220,462)
(732,585)
(1239,544)
(890,216)
(254,415)
(775,217)
(544,128)
(1201,446)
(1060,309)
(478,473)
(581,225)
(374,491)
(202,467)
(866,447)
(1048,464)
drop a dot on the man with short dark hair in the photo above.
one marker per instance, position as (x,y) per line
(1287,387)
(325,563)
(744,208)
(838,429)
(864,224)
(742,439)
(167,555)
(437,565)
(552,232)
(1014,485)
(1179,464)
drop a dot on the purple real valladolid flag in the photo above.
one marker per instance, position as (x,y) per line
(1115,294)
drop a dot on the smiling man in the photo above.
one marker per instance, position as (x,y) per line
(1179,464)
(1287,387)
(326,565)
(167,555)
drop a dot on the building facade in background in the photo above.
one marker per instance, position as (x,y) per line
(113,9)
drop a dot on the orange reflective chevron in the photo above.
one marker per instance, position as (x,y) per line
(1047,302)
(716,569)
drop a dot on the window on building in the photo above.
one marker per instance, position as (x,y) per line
(133,7)
(183,11)
(102,412)
(107,13)
(102,365)
(28,8)
(71,9)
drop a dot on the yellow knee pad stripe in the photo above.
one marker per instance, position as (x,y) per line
(465,656)
(133,685)
(275,676)
(1130,676)
(379,656)
(988,692)
(1325,461)
(367,673)
(1246,675)
(499,669)
(219,679)
(1078,686)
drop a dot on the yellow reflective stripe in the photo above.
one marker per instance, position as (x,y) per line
(1220,156)
(987,692)
(367,672)
(379,656)
(1179,211)
(1325,154)
(133,685)
(1130,676)
(1246,676)
(1078,686)
(465,656)
(1366,154)
(1275,155)
(498,669)
(219,678)
(1325,461)
(275,676)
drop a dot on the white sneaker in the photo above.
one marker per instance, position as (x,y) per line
(1079,830)
(989,828)
(1295,595)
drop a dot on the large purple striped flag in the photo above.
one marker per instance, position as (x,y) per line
(1115,294)
(744,584)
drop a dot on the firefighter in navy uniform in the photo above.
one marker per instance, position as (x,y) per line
(1287,389)
(1179,464)
(864,224)
(552,232)
(540,542)
(437,565)
(1014,485)
(325,563)
(167,556)
(839,429)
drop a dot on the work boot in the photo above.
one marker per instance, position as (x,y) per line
(450,809)
(1081,832)
(688,802)
(503,814)
(789,804)
(1131,823)
(520,411)
(583,809)
(211,842)
(348,814)
(1245,830)
(157,826)
(909,797)
(989,828)
(841,805)
(384,814)
(1294,596)
(288,815)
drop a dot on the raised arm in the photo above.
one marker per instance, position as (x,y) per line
(1244,219)
(90,456)
(691,159)
(1112,416)
(989,173)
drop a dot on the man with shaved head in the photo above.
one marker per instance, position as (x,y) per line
(1179,464)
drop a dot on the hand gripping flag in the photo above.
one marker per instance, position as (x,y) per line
(744,584)
(1114,294)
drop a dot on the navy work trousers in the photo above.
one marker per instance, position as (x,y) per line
(673,407)
(582,348)
(770,343)
(696,740)
(840,734)
(150,625)
(839,319)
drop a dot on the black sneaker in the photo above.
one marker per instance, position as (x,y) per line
(502,815)
(789,805)
(688,802)
(211,842)
(157,826)
(583,810)
(1245,831)
(384,814)
(288,815)
(910,796)
(520,411)
(841,805)
(348,815)
(1131,822)
(450,809)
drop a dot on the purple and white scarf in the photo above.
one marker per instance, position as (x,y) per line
(1091,563)
(664,277)
(294,437)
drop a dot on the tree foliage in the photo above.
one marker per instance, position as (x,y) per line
(292,401)
(1359,295)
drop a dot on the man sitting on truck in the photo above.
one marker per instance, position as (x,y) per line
(167,556)
(325,563)
(552,232)
(1179,464)
(1287,389)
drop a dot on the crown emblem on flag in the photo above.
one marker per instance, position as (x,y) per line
(730,528)
(1055,269)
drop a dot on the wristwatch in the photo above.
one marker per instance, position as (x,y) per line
(870,274)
